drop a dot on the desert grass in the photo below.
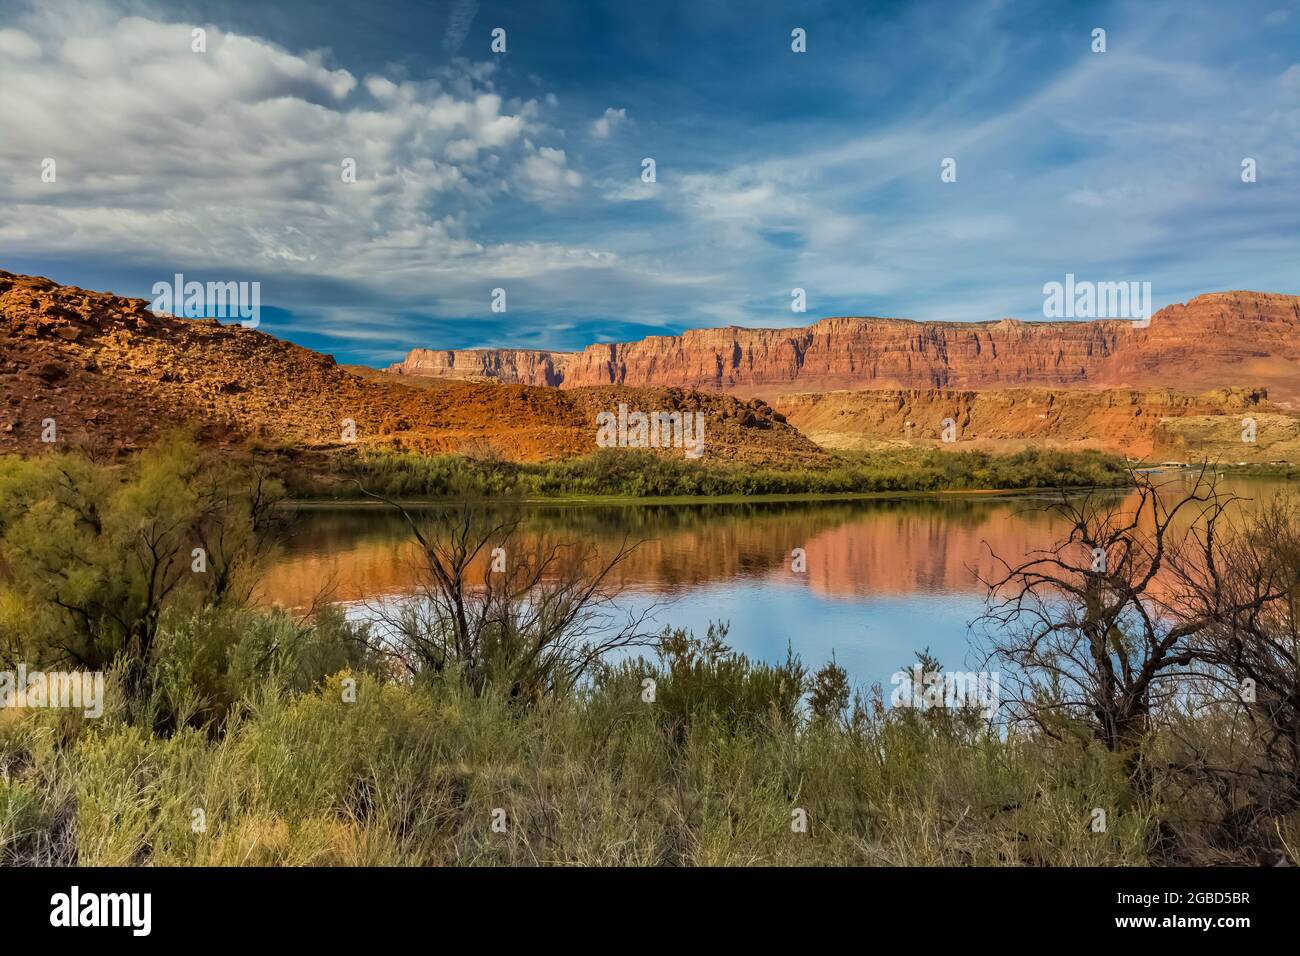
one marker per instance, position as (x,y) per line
(716,770)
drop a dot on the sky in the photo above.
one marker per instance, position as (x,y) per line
(522,170)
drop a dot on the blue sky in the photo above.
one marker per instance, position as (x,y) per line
(522,170)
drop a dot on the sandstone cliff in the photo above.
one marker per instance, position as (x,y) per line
(514,366)
(1217,340)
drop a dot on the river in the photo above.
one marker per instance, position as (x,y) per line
(884,577)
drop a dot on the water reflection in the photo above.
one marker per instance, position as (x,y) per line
(884,577)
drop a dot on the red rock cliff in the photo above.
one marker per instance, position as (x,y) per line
(513,366)
(1215,340)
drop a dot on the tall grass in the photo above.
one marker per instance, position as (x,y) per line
(711,771)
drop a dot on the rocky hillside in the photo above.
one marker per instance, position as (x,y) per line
(1140,423)
(112,375)
(1223,339)
(1219,438)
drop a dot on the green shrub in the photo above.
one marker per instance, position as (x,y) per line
(640,474)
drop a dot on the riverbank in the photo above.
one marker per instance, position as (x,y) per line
(612,476)
(326,504)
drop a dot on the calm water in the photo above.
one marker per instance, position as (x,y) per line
(884,578)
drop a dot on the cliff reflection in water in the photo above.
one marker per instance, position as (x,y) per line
(884,578)
(854,549)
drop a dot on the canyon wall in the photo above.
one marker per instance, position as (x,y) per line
(1215,340)
(509,366)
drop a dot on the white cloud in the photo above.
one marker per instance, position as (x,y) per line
(232,159)
(544,176)
(631,189)
(18,45)
(604,127)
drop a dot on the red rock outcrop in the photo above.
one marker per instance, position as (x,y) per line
(112,375)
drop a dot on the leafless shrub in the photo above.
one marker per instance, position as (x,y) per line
(529,619)
(1098,630)
(1248,668)
(1168,629)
